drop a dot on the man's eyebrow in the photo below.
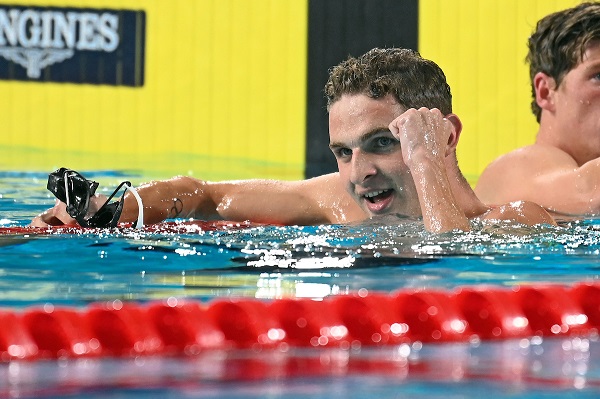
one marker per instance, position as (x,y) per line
(593,65)
(364,138)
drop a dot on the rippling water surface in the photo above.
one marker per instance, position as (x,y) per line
(270,261)
(388,254)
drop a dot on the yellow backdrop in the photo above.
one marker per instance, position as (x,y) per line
(481,45)
(225,90)
(224,97)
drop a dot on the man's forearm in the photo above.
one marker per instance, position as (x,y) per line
(439,207)
(177,197)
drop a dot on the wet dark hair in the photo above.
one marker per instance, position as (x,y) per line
(559,42)
(413,81)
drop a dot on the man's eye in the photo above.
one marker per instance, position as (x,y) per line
(344,152)
(384,141)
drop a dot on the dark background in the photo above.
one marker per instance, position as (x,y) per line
(337,29)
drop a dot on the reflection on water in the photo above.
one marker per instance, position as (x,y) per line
(186,260)
(530,368)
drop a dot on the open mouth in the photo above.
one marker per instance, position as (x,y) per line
(377,196)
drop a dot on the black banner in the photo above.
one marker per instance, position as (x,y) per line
(75,45)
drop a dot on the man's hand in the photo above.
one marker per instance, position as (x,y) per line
(422,133)
(58,216)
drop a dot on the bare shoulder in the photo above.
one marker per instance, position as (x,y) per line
(523,212)
(329,185)
(329,193)
(304,202)
(531,156)
(509,177)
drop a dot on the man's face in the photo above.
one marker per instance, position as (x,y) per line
(577,107)
(369,157)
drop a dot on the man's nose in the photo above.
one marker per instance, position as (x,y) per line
(362,168)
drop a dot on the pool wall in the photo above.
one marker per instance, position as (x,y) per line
(233,89)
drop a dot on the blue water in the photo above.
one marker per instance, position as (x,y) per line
(273,262)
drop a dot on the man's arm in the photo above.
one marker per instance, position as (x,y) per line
(303,202)
(318,200)
(424,135)
(545,175)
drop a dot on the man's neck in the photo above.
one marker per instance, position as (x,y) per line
(550,135)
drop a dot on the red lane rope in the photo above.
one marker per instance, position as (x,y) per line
(185,327)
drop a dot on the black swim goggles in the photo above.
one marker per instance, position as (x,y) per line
(75,190)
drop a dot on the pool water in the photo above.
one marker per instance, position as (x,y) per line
(271,262)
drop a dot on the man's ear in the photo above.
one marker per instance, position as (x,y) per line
(544,86)
(455,135)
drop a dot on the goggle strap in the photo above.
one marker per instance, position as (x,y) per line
(67,189)
(139,223)
(118,209)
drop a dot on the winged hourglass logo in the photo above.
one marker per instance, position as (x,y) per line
(34,60)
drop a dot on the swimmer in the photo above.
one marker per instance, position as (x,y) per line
(394,136)
(561,170)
